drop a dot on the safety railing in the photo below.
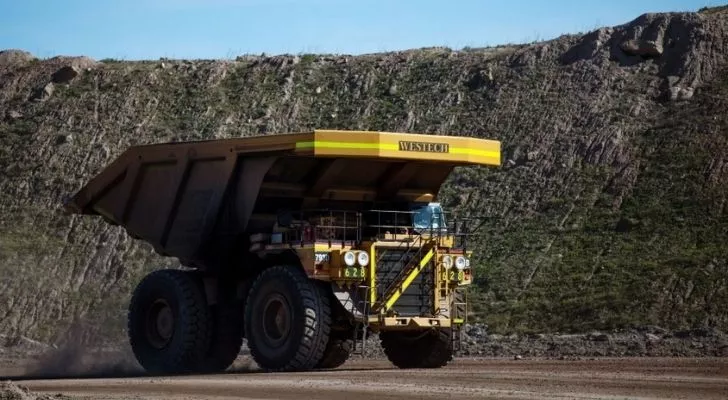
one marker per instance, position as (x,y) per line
(398,225)
(351,227)
(316,226)
(393,225)
(402,275)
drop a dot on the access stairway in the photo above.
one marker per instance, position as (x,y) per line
(419,257)
(417,262)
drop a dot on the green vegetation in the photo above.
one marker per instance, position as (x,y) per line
(609,209)
(713,10)
(580,263)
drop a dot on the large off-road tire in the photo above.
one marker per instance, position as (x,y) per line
(417,349)
(337,350)
(226,331)
(226,337)
(168,323)
(287,320)
(341,342)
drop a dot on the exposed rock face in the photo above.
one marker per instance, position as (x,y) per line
(589,140)
(44,93)
(645,48)
(589,46)
(13,58)
(65,74)
(678,44)
(12,114)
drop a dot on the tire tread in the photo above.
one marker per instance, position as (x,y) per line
(193,315)
(434,350)
(311,348)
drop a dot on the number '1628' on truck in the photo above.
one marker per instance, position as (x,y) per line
(300,243)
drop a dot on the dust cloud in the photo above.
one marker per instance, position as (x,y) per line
(79,355)
(78,361)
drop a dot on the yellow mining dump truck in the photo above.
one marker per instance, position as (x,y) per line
(300,243)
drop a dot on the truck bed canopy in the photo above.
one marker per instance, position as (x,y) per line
(178,195)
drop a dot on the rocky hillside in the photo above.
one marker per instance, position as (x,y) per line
(609,209)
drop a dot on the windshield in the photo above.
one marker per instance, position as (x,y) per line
(428,217)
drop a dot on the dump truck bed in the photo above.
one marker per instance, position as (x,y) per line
(182,196)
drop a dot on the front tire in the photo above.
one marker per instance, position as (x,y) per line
(417,349)
(338,350)
(168,323)
(287,320)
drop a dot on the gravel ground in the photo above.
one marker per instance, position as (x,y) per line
(29,358)
(623,378)
(638,342)
(484,356)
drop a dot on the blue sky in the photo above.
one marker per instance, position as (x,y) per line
(136,29)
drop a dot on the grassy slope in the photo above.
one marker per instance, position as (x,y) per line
(556,254)
(657,258)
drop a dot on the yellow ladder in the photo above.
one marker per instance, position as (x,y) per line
(404,279)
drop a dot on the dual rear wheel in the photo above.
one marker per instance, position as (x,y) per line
(172,330)
(286,320)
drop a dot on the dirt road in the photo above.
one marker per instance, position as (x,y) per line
(644,378)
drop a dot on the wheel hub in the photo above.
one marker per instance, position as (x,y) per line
(160,324)
(276,320)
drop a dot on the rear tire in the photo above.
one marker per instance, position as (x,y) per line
(287,320)
(337,351)
(226,330)
(417,349)
(168,323)
(227,337)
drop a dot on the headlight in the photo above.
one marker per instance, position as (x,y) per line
(460,262)
(349,258)
(447,261)
(363,258)
(467,262)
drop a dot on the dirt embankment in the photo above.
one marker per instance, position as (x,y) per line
(477,342)
(609,210)
(648,341)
